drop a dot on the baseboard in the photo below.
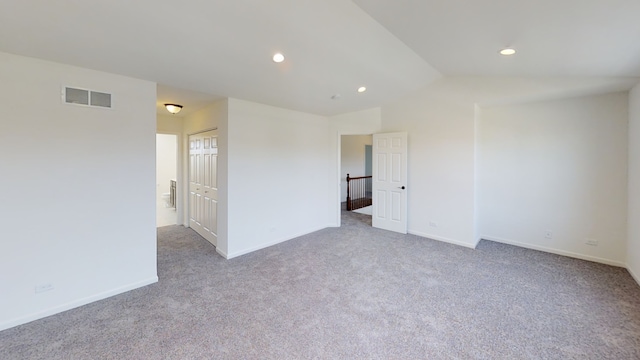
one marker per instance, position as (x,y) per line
(266,245)
(633,275)
(76,303)
(477,242)
(557,251)
(442,239)
(222,253)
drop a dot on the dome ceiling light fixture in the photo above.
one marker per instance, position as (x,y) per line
(362,89)
(173,108)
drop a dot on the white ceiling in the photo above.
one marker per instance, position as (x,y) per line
(552,37)
(201,50)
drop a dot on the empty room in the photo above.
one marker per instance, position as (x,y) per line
(501,178)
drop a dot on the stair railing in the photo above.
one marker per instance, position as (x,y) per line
(359,193)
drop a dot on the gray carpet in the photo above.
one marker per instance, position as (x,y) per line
(351,293)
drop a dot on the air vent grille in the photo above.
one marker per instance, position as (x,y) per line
(100,99)
(76,96)
(87,97)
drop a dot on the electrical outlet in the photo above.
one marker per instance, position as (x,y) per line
(433,224)
(591,242)
(43,288)
(548,234)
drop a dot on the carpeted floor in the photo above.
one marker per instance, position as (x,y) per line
(351,293)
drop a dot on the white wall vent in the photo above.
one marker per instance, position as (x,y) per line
(86,97)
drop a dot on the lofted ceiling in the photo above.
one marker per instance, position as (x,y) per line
(201,50)
(590,38)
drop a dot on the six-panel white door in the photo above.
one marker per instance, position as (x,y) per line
(203,184)
(390,181)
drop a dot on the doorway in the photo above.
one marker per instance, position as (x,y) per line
(388,164)
(356,160)
(166,177)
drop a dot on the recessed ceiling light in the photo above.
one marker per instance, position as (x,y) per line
(507,51)
(362,89)
(278,58)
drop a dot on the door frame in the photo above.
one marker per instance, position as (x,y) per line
(338,194)
(179,162)
(339,169)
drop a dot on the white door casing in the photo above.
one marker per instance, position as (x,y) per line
(203,184)
(390,182)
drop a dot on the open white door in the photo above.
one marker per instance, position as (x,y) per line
(390,181)
(203,184)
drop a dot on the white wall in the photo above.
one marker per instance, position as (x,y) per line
(440,126)
(169,124)
(558,166)
(280,178)
(214,116)
(78,189)
(352,158)
(277,175)
(477,152)
(633,244)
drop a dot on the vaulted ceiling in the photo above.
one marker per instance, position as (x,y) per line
(219,48)
(552,38)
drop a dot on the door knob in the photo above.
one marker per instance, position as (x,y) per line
(401,187)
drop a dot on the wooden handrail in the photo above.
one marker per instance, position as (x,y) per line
(358,177)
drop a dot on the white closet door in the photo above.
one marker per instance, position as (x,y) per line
(203,184)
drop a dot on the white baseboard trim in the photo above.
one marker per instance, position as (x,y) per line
(266,245)
(76,303)
(633,275)
(222,253)
(442,239)
(557,251)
